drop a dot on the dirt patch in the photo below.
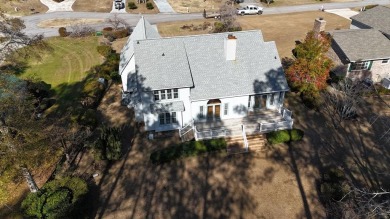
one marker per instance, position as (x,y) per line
(68,22)
(192,6)
(22,8)
(118,44)
(92,6)
(284,29)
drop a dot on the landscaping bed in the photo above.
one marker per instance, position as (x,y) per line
(187,149)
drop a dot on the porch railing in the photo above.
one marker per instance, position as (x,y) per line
(185,130)
(268,127)
(245,139)
(209,134)
(286,114)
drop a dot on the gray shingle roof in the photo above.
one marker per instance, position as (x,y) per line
(175,106)
(143,30)
(257,68)
(377,18)
(362,44)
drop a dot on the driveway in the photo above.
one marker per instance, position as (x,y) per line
(122,10)
(163,6)
(53,6)
(344,12)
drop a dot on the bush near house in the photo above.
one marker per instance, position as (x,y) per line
(149,6)
(284,136)
(59,198)
(132,5)
(187,149)
(108,146)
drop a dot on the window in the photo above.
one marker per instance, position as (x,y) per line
(201,112)
(167,118)
(174,120)
(156,95)
(357,66)
(162,118)
(175,93)
(225,110)
(272,99)
(166,94)
(385,61)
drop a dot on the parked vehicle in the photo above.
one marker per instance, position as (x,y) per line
(250,9)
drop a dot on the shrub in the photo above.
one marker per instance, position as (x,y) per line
(104,50)
(56,199)
(187,149)
(121,33)
(333,186)
(149,6)
(107,29)
(62,31)
(132,5)
(109,146)
(89,118)
(277,137)
(283,136)
(296,134)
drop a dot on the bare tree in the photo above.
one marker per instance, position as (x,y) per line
(81,30)
(12,38)
(343,99)
(365,203)
(228,19)
(116,22)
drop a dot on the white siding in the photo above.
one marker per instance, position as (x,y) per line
(130,68)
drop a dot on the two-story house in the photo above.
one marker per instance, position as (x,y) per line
(211,85)
(363,51)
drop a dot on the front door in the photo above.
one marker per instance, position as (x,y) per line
(213,111)
(260,102)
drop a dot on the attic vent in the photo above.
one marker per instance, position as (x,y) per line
(163,54)
(275,57)
(137,42)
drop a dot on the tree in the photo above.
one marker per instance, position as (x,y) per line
(116,22)
(310,69)
(12,39)
(228,21)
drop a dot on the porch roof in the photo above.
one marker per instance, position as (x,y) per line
(175,106)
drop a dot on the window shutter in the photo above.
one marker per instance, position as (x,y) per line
(349,67)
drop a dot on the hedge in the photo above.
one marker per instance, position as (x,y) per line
(187,149)
(149,6)
(283,136)
(132,5)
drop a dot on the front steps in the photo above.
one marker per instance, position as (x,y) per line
(236,144)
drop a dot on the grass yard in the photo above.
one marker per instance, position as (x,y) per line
(284,29)
(92,6)
(23,7)
(67,63)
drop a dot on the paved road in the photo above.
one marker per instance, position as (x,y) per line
(32,20)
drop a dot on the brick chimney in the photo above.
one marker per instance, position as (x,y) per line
(319,25)
(230,47)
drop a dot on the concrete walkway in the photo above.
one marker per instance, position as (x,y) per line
(53,6)
(164,6)
(345,12)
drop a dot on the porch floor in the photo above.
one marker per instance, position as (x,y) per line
(251,121)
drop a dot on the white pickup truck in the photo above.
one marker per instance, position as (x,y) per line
(250,9)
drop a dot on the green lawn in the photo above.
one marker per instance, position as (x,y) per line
(67,62)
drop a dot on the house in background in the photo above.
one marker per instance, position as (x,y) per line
(205,86)
(377,18)
(361,53)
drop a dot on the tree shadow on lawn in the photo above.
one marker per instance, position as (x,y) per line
(354,147)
